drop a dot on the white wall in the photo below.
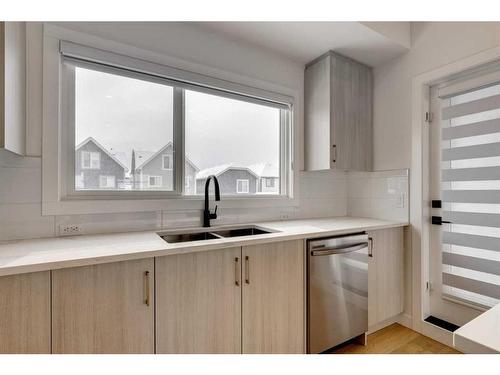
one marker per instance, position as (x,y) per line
(433,44)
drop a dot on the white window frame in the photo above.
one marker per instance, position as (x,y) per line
(55,159)
(187,181)
(93,156)
(170,159)
(268,180)
(238,181)
(158,178)
(107,180)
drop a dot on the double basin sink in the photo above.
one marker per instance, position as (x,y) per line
(197,235)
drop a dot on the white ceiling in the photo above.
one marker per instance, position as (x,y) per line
(304,41)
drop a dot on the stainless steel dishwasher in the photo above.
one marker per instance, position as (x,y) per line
(337,290)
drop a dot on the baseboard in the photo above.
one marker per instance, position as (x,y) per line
(395,319)
(406,320)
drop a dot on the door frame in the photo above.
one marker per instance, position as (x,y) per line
(419,186)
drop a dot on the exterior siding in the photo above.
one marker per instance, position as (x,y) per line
(227,182)
(154,167)
(108,167)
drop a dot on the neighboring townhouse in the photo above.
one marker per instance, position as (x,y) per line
(154,170)
(232,179)
(268,178)
(97,168)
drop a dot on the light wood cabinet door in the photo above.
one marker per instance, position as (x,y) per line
(106,308)
(25,313)
(198,302)
(385,275)
(338,114)
(273,298)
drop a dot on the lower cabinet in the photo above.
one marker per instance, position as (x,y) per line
(106,308)
(234,300)
(25,313)
(198,302)
(385,275)
(273,298)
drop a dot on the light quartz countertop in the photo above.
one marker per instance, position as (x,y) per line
(480,335)
(62,252)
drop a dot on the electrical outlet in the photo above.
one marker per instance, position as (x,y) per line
(70,229)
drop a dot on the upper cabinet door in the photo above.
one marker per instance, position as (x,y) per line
(198,302)
(12,86)
(338,114)
(106,308)
(273,298)
(25,313)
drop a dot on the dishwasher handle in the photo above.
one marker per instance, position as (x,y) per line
(338,250)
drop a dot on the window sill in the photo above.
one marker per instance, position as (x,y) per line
(104,206)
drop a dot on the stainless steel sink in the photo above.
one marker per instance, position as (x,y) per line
(215,234)
(188,237)
(239,232)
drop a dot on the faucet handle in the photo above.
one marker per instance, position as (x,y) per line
(214,214)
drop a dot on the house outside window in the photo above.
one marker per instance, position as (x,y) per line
(242,186)
(91,160)
(167,162)
(106,182)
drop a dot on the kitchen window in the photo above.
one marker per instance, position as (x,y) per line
(161,131)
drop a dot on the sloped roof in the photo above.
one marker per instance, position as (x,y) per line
(91,139)
(143,157)
(265,170)
(220,169)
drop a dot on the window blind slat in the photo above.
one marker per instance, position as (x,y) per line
(471,130)
(472,240)
(476,106)
(471,174)
(472,152)
(471,285)
(472,263)
(471,196)
(472,218)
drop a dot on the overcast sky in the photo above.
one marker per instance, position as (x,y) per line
(123,113)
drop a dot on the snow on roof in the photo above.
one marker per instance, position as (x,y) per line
(91,139)
(142,157)
(265,170)
(216,171)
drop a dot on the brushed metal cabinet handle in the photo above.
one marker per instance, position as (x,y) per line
(146,288)
(370,247)
(247,269)
(236,271)
(334,150)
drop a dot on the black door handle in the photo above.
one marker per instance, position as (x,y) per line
(438,220)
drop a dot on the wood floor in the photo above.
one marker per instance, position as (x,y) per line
(396,339)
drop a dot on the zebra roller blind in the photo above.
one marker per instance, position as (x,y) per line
(470,191)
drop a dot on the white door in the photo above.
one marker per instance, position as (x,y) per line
(464,172)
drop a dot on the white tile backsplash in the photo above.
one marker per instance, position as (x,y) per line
(380,194)
(321,194)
